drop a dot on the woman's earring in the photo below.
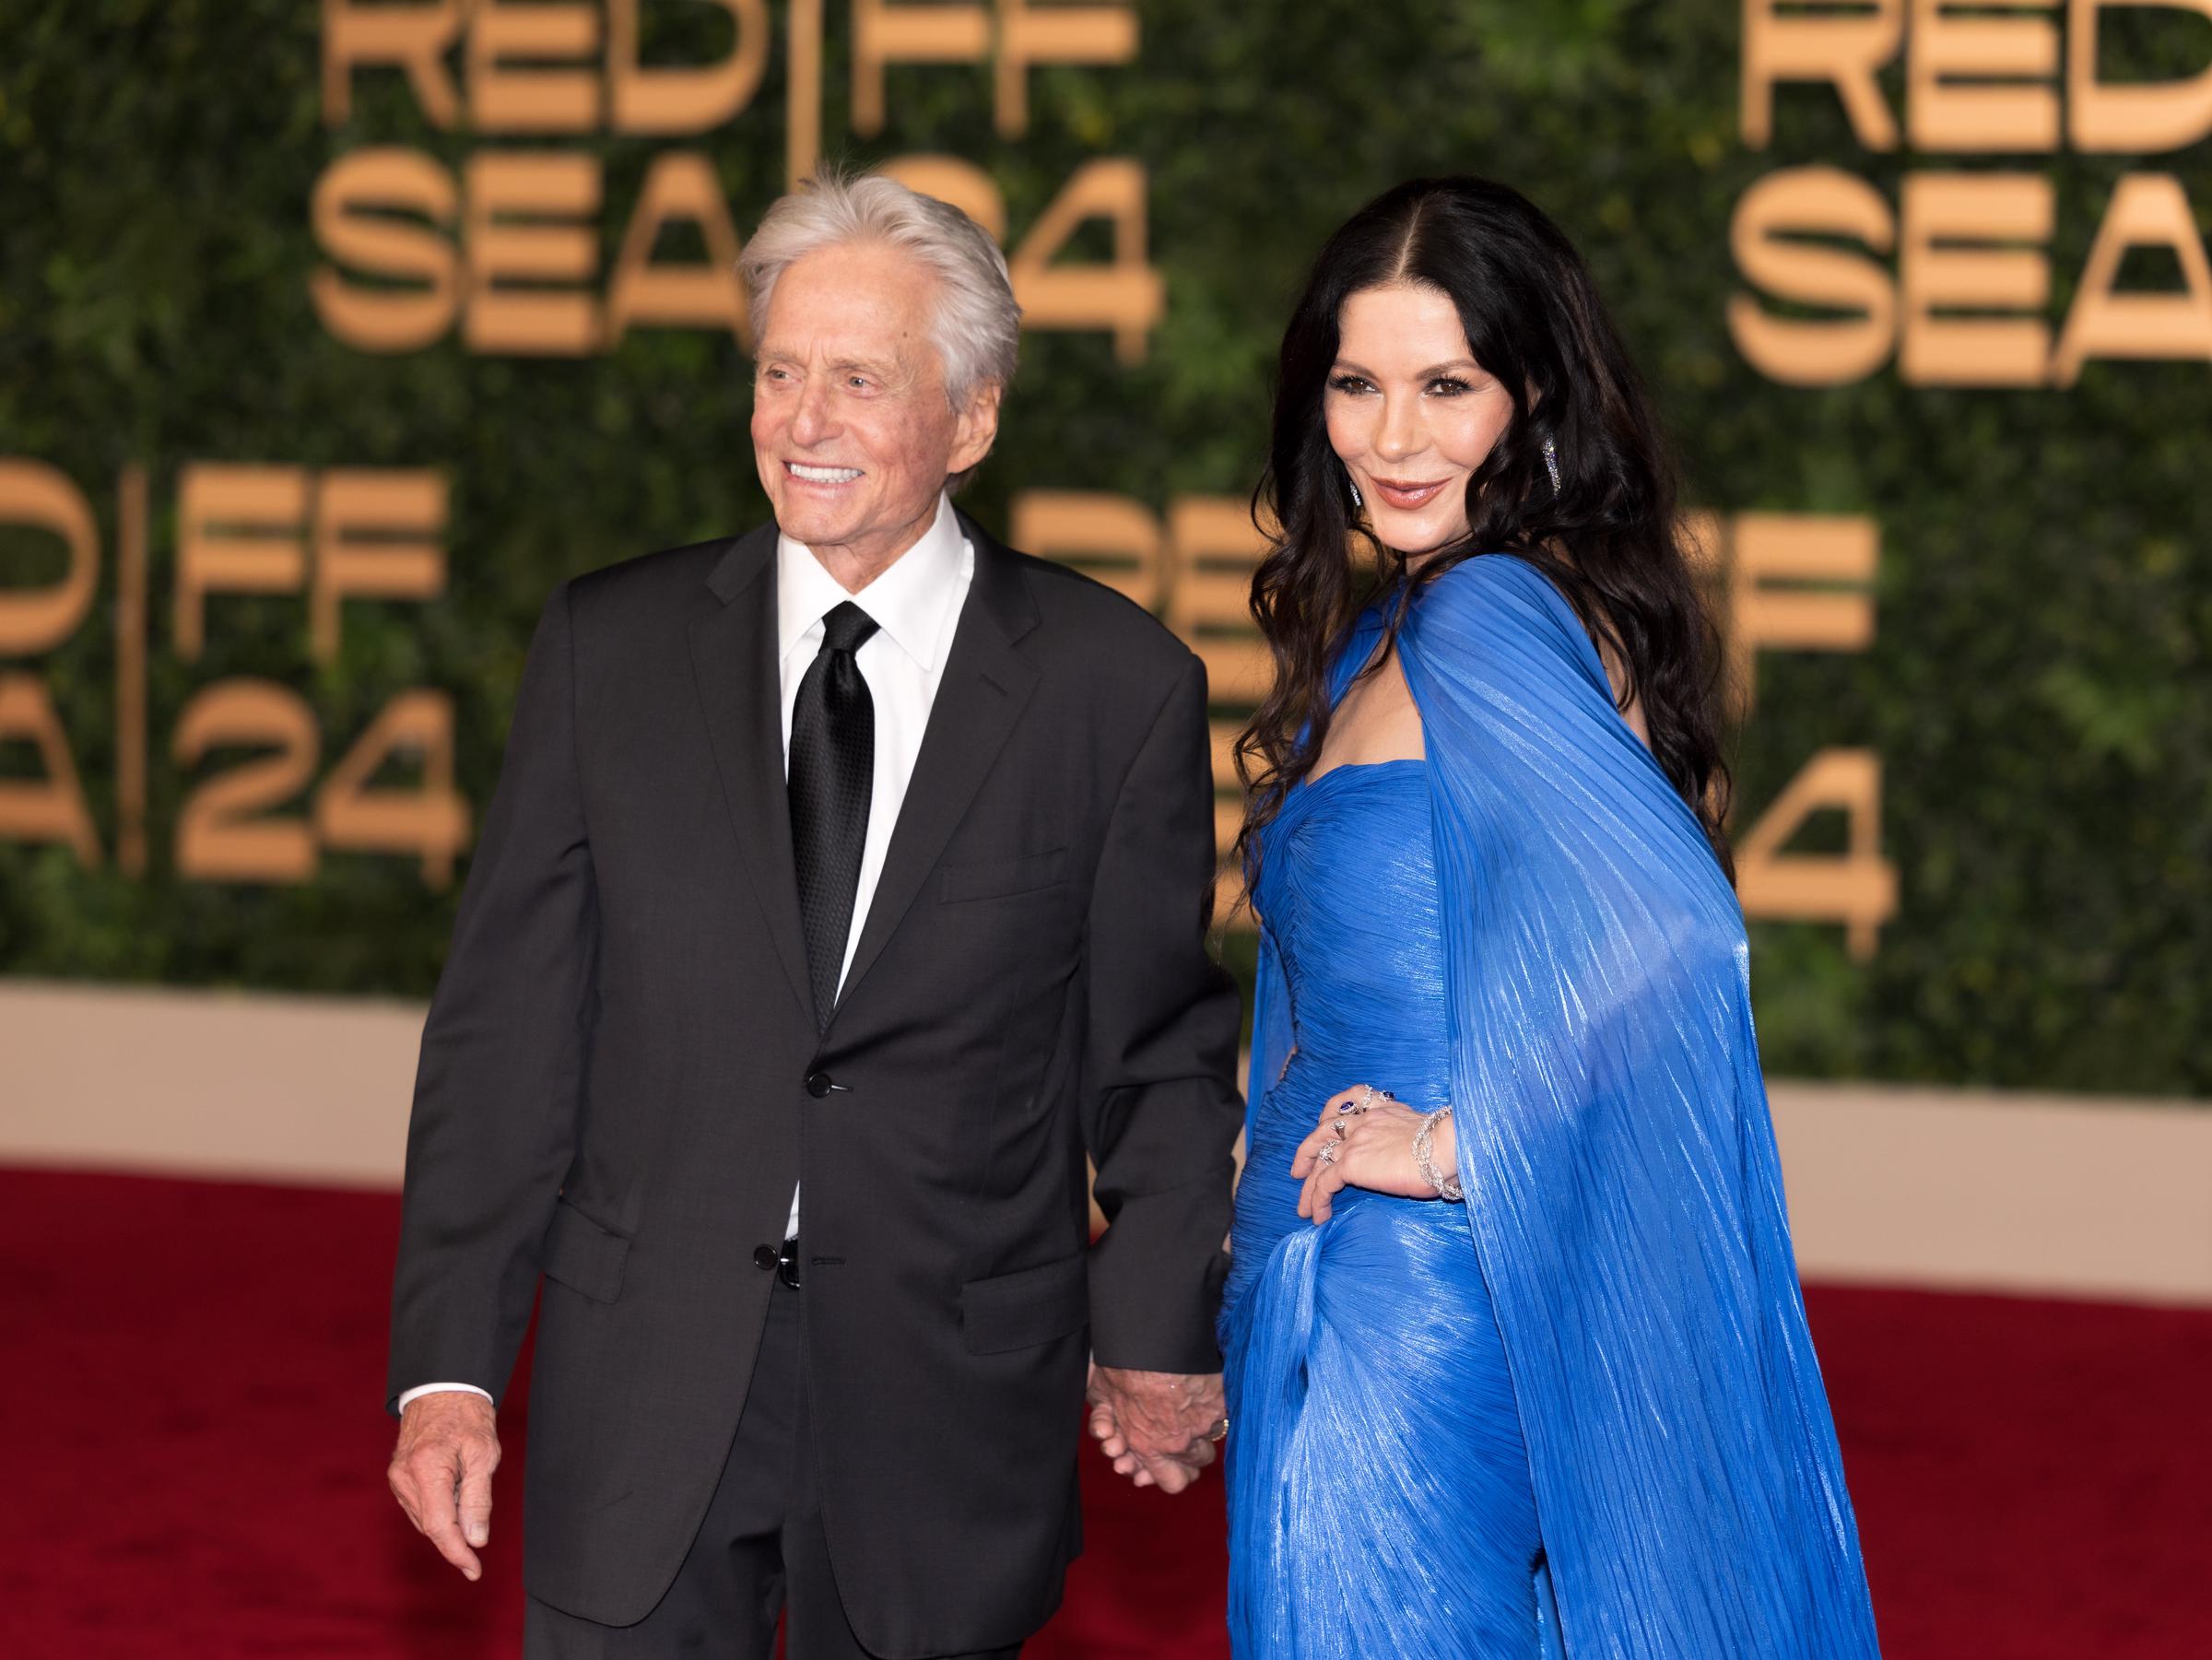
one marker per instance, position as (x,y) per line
(1358,501)
(1552,464)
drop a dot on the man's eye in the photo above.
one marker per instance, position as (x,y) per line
(859,383)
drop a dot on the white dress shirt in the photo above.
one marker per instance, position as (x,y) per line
(916,605)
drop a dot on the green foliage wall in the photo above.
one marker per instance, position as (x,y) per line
(2037,690)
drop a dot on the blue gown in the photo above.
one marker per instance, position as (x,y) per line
(1579,1414)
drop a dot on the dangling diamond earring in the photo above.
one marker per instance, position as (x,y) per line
(1552,464)
(1357,500)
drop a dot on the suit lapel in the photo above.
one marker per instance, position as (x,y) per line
(732,638)
(985,687)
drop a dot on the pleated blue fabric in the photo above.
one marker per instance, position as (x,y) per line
(1579,1415)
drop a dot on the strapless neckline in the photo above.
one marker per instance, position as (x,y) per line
(1320,787)
(1318,779)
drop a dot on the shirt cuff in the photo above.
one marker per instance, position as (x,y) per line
(422,1389)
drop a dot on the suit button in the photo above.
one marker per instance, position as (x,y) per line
(764,1256)
(818,1084)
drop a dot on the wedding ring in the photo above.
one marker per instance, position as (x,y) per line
(1220,1431)
(1328,1152)
(1342,1129)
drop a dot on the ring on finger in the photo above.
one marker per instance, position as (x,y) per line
(1329,1151)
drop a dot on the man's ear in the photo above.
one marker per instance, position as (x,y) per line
(976,428)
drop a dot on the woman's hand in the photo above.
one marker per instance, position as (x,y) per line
(1374,1149)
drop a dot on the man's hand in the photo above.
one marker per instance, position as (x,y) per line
(449,1445)
(1158,1427)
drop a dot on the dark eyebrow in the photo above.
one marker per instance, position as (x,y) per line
(1345,365)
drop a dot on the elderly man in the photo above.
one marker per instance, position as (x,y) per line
(845,887)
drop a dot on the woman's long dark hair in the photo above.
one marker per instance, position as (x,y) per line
(1607,536)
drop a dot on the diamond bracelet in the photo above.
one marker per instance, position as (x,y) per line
(1424,1159)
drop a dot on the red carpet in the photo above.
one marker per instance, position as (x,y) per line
(194,1458)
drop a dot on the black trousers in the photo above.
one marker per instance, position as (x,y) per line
(760,1551)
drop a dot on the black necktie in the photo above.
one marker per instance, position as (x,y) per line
(832,775)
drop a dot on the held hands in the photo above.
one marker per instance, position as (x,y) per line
(1372,1137)
(1158,1427)
(449,1445)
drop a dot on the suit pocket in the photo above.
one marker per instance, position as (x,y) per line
(585,1256)
(1000,878)
(1026,1308)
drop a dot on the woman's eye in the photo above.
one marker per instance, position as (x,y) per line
(1449,386)
(1349,383)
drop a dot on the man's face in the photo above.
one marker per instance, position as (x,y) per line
(851,432)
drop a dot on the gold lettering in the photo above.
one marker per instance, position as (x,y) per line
(2136,117)
(1813,201)
(503,99)
(430,821)
(803,97)
(1798,582)
(370,531)
(131,630)
(1858,888)
(218,836)
(558,192)
(1216,548)
(353,203)
(2148,209)
(413,37)
(1127,296)
(1116,539)
(691,99)
(1842,48)
(1944,208)
(1053,34)
(1951,63)
(52,808)
(39,497)
(885,33)
(680,185)
(238,532)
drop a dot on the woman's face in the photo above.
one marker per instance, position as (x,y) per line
(1410,413)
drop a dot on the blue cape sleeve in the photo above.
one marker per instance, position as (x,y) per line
(1619,1157)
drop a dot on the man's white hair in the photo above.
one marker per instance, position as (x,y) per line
(978,326)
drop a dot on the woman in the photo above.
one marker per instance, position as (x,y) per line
(1575,1411)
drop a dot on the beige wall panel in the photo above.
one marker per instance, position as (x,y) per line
(311,1089)
(2022,1192)
(1935,1187)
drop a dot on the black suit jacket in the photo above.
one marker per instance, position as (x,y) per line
(621,1080)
